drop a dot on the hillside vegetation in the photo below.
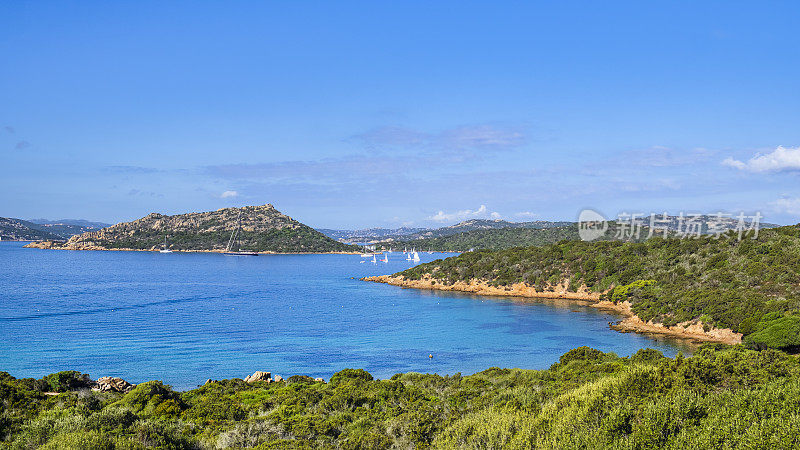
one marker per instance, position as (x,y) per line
(719,398)
(750,286)
(263,228)
(22,230)
(492,239)
(480,234)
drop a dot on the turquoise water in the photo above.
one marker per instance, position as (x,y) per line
(186,317)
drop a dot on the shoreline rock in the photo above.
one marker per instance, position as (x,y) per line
(113,384)
(259,376)
(692,331)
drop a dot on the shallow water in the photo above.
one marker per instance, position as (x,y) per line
(186,317)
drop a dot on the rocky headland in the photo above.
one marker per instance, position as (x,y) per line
(692,331)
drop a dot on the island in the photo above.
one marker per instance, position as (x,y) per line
(261,229)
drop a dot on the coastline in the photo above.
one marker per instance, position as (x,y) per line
(50,245)
(629,323)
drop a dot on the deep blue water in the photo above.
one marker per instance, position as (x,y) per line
(186,317)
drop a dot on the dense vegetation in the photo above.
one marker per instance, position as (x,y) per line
(720,398)
(299,239)
(750,286)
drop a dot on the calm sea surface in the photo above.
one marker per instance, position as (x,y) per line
(183,318)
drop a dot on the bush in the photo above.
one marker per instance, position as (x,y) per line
(782,333)
(67,380)
(350,374)
(80,440)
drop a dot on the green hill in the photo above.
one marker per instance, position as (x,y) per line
(22,230)
(730,398)
(263,229)
(751,287)
(493,239)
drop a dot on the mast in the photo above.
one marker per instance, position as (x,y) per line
(235,232)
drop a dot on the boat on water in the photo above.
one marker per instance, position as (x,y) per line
(415,258)
(232,241)
(385,258)
(165,248)
(367,252)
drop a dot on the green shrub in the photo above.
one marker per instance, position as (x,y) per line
(350,374)
(79,440)
(67,380)
(776,332)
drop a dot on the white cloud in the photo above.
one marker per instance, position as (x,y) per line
(465,214)
(483,137)
(475,137)
(526,215)
(781,159)
(787,205)
(229,194)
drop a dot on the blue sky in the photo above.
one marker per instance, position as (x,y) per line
(358,114)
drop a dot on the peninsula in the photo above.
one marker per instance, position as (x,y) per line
(708,289)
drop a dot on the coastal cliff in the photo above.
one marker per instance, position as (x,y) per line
(262,229)
(690,330)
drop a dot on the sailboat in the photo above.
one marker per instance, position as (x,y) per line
(374,261)
(229,249)
(385,258)
(366,253)
(416,257)
(165,248)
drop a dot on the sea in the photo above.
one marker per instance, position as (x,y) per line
(183,318)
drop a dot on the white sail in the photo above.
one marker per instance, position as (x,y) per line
(232,241)
(165,248)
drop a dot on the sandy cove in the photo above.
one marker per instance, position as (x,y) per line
(630,323)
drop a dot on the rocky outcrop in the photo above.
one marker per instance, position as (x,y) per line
(695,331)
(259,376)
(483,288)
(113,384)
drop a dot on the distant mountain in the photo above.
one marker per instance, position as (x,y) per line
(369,234)
(75,222)
(483,224)
(482,234)
(21,230)
(263,229)
(66,228)
(372,235)
(493,239)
